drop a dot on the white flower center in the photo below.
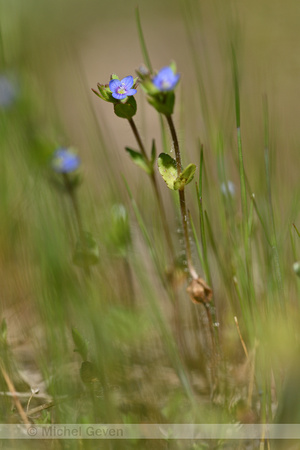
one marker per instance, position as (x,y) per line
(121,90)
(165,84)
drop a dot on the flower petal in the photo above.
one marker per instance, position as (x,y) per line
(166,79)
(114,84)
(176,79)
(119,96)
(65,161)
(128,81)
(131,91)
(166,72)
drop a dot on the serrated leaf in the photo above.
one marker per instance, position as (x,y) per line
(185,177)
(114,77)
(139,160)
(81,343)
(168,169)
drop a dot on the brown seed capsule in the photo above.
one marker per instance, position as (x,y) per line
(199,291)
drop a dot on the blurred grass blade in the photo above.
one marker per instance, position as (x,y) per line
(142,40)
(261,219)
(196,240)
(202,225)
(270,202)
(297,231)
(145,233)
(239,144)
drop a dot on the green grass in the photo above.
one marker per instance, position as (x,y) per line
(150,348)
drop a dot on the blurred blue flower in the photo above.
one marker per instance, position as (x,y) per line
(166,79)
(228,188)
(64,161)
(8,92)
(122,88)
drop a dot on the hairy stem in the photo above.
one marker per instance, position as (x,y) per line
(188,252)
(182,202)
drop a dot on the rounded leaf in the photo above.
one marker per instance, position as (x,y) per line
(168,169)
(126,110)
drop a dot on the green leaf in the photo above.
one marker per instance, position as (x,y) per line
(114,77)
(139,160)
(126,110)
(185,177)
(168,169)
(81,343)
(135,82)
(104,93)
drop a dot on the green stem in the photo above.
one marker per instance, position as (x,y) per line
(138,138)
(188,253)
(182,201)
(156,190)
(72,195)
(173,292)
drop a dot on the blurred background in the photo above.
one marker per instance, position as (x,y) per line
(53,53)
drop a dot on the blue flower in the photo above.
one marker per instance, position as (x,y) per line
(65,161)
(122,88)
(8,92)
(166,79)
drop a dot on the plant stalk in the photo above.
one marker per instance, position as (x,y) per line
(182,201)
(74,201)
(156,190)
(173,293)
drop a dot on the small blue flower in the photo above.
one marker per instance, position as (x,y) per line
(65,161)
(166,79)
(8,92)
(122,88)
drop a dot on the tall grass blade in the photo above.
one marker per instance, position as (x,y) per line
(142,40)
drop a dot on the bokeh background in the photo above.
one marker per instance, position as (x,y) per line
(54,53)
(66,48)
